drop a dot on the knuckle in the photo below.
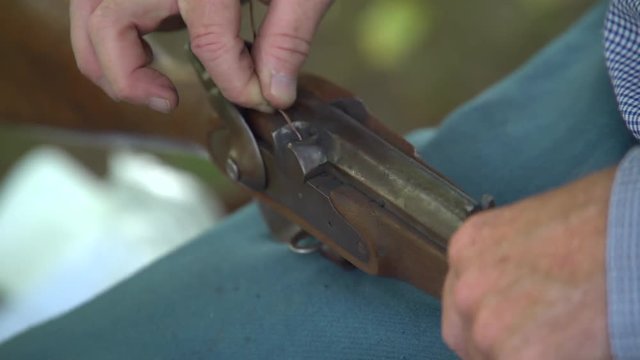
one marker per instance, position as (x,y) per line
(103,17)
(527,351)
(88,71)
(456,251)
(469,292)
(468,234)
(123,90)
(450,336)
(487,331)
(530,352)
(233,91)
(209,45)
(529,355)
(457,248)
(96,23)
(238,92)
(287,48)
(478,222)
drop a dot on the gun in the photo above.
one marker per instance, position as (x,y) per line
(329,170)
(355,188)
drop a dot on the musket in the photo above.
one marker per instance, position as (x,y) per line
(355,188)
(334,172)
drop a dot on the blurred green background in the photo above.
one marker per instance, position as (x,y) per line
(414,61)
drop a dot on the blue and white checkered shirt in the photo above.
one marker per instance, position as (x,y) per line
(622,52)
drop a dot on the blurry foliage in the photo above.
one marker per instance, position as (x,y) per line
(538,6)
(389,31)
(414,61)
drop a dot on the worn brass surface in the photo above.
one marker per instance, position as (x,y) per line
(358,187)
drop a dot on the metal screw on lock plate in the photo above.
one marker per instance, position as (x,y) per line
(232,169)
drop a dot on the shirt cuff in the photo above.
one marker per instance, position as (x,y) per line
(623,259)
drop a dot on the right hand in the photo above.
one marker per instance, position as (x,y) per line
(528,280)
(107,42)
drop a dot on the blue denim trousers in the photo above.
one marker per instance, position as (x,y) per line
(233,293)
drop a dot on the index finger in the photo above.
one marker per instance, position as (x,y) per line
(116,28)
(214,29)
(86,59)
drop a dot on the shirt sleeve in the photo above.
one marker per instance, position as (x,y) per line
(623,259)
(622,55)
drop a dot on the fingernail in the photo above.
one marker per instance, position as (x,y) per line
(160,105)
(283,87)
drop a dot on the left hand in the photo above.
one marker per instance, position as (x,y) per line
(527,281)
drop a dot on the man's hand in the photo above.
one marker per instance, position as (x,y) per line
(107,41)
(528,281)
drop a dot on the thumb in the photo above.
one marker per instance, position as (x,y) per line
(283,44)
